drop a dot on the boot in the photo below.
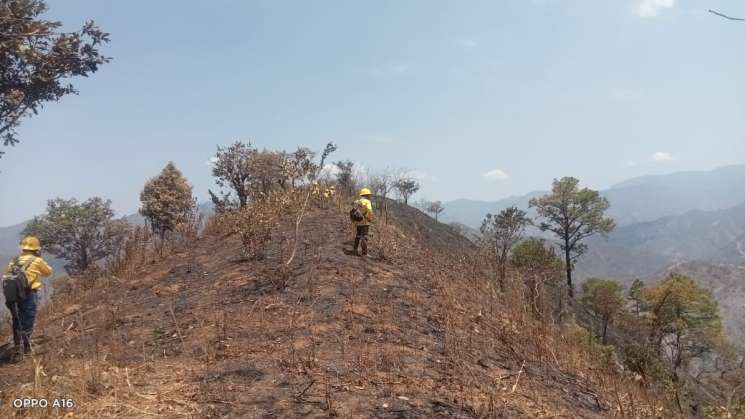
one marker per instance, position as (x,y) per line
(17,354)
(26,345)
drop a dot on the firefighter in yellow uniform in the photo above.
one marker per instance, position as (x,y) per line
(362,227)
(23,313)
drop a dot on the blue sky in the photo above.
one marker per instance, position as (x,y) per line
(481,99)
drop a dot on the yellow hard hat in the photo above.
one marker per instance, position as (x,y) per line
(30,243)
(365,191)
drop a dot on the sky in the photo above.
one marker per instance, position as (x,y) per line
(478,99)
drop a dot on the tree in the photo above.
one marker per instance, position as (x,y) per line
(573,215)
(406,187)
(381,185)
(166,200)
(539,265)
(434,208)
(604,297)
(269,170)
(636,295)
(345,176)
(301,166)
(533,256)
(36,59)
(232,169)
(501,232)
(80,232)
(686,323)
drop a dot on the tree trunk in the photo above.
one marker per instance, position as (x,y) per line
(605,329)
(568,260)
(502,266)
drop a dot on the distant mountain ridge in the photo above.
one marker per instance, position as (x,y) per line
(641,249)
(640,199)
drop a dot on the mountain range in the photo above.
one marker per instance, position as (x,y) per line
(640,199)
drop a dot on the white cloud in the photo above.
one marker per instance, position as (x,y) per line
(331,170)
(630,163)
(211,161)
(652,8)
(662,156)
(422,176)
(495,175)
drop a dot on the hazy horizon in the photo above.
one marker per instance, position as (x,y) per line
(480,100)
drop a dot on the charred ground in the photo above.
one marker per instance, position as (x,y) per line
(413,331)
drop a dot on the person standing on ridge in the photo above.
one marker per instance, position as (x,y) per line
(362,215)
(21,284)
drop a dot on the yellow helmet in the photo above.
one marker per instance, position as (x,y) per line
(365,192)
(30,243)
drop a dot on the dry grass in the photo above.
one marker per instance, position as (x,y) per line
(413,332)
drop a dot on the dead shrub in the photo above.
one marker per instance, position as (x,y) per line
(256,222)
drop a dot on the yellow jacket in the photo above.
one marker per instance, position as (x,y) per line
(365,207)
(39,267)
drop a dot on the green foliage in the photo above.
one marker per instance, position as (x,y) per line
(35,60)
(533,256)
(601,354)
(686,321)
(500,234)
(406,187)
(573,214)
(641,359)
(604,297)
(80,232)
(538,265)
(636,295)
(167,200)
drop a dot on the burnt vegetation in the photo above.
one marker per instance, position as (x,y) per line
(259,311)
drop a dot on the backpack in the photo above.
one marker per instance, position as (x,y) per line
(356,215)
(15,283)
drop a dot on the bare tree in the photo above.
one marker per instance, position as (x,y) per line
(345,176)
(434,208)
(406,187)
(382,184)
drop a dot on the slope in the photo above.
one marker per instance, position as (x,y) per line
(205,332)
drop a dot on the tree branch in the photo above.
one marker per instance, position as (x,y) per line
(725,16)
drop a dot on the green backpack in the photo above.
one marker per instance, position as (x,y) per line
(15,283)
